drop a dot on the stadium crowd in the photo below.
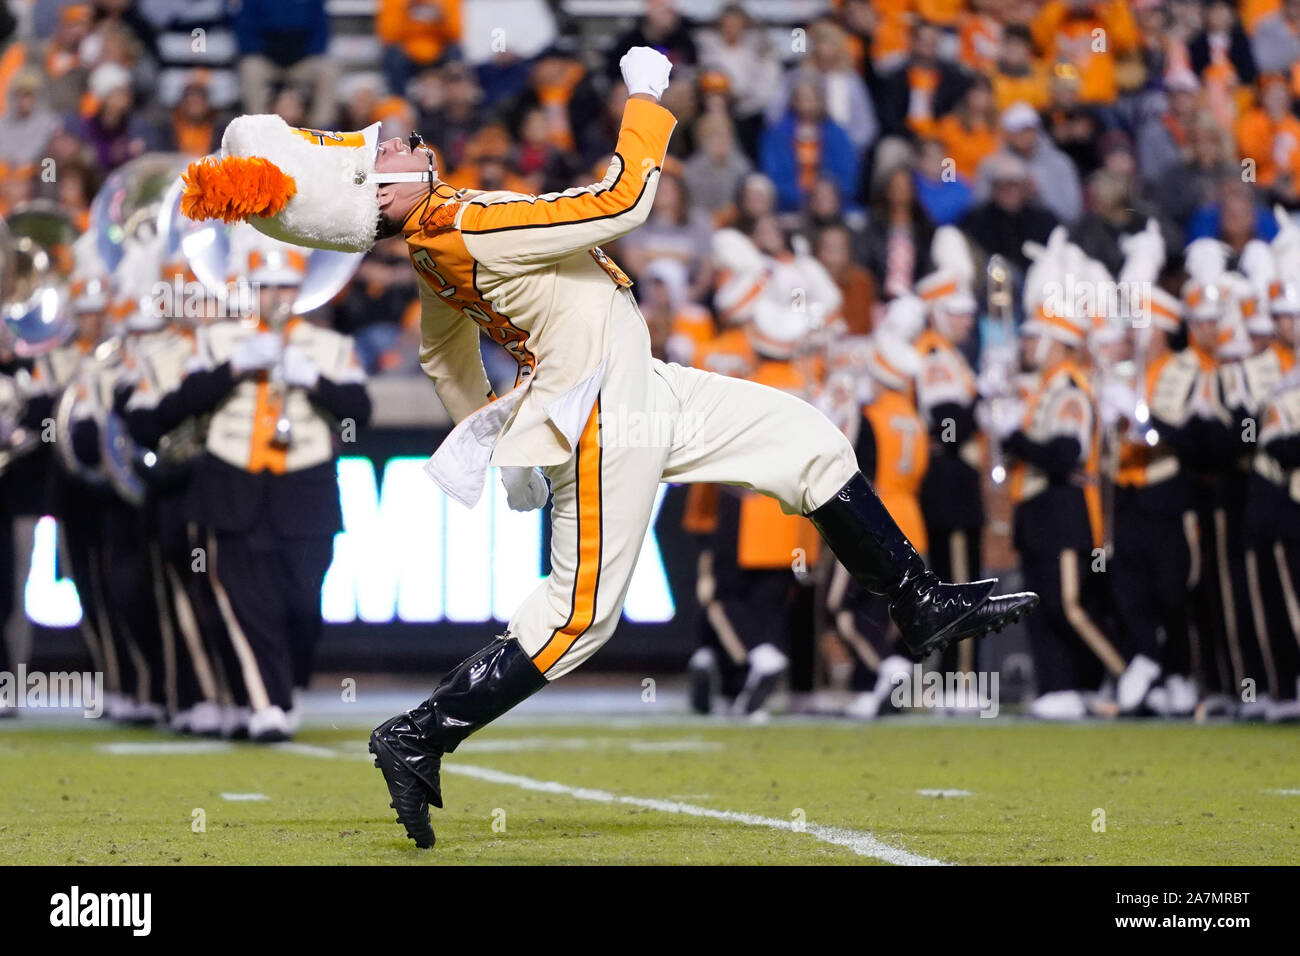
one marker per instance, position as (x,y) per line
(877,209)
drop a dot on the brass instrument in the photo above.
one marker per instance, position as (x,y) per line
(125,211)
(15,440)
(36,296)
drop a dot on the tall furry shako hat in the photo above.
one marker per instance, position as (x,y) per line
(308,187)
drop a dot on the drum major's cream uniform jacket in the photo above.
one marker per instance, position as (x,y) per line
(527,271)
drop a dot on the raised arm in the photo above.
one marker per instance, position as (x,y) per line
(520,233)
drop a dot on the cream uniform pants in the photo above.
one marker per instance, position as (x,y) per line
(658,422)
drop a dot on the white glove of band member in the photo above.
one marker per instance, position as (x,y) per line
(256,353)
(1005,416)
(645,71)
(299,369)
(1117,402)
(526,489)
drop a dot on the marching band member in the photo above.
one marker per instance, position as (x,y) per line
(134,609)
(200,659)
(951,493)
(1053,442)
(76,490)
(1153,526)
(892,447)
(279,391)
(529,271)
(755,601)
(1213,465)
(1273,500)
(751,599)
(1249,381)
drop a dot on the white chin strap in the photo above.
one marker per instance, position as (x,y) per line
(371,137)
(379,179)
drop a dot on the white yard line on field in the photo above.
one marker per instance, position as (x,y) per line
(244,797)
(857,841)
(153,748)
(861,843)
(307,750)
(944,793)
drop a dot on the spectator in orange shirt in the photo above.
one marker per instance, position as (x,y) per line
(195,127)
(17,186)
(488,163)
(1016,76)
(833,248)
(946,13)
(417,34)
(980,35)
(1068,30)
(970,132)
(559,86)
(1268,134)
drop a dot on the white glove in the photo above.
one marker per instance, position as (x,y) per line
(1144,254)
(1005,416)
(299,369)
(526,489)
(645,71)
(1117,402)
(257,352)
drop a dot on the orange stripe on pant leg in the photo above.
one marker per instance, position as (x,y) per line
(586,578)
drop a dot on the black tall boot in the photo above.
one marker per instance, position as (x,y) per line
(929,613)
(408,748)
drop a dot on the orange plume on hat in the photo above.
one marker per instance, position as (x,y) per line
(235,188)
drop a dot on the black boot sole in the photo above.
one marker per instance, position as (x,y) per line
(1028,601)
(413,817)
(961,629)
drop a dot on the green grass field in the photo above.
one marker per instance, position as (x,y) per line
(623,792)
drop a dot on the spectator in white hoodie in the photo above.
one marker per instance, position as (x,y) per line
(738,49)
